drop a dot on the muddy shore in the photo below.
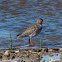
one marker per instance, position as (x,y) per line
(29,54)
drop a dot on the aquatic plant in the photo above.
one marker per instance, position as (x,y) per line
(40,43)
(10,42)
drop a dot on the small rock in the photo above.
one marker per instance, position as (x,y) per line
(6,53)
(41,57)
(4,57)
(61,57)
(60,49)
(57,60)
(43,60)
(16,51)
(16,60)
(45,49)
(50,50)
(50,54)
(55,49)
(35,57)
(30,51)
(50,60)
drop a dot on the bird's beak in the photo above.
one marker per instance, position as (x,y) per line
(44,22)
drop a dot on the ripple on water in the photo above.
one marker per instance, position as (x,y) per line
(16,16)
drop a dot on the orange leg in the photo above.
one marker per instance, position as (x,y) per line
(31,41)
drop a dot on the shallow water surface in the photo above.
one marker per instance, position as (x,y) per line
(54,57)
(17,15)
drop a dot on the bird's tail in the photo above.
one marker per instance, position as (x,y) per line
(19,35)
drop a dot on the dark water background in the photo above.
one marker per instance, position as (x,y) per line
(17,15)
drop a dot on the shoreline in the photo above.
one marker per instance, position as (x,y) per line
(29,54)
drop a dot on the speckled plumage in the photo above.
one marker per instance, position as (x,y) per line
(32,30)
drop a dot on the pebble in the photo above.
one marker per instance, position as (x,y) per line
(50,50)
(50,54)
(50,60)
(43,60)
(60,49)
(61,57)
(6,53)
(16,51)
(31,54)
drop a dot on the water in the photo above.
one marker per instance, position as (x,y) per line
(17,15)
(54,57)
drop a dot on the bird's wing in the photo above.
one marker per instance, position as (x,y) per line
(30,30)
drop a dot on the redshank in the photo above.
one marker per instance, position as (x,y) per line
(32,30)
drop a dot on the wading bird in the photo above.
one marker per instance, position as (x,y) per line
(32,30)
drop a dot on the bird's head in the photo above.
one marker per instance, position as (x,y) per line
(40,21)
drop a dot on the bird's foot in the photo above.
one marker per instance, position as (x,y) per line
(31,45)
